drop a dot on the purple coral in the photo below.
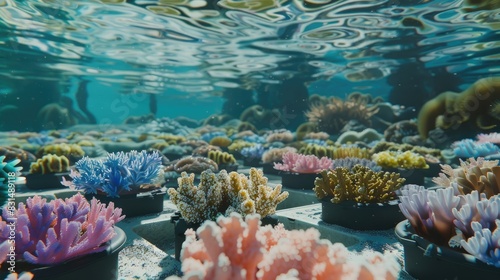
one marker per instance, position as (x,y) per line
(59,230)
(447,218)
(299,163)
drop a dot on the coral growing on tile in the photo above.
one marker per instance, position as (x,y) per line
(298,163)
(359,184)
(59,230)
(236,249)
(448,218)
(225,193)
(119,172)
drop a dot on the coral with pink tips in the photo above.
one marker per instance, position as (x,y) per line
(236,249)
(299,163)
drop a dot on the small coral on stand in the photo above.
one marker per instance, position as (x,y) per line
(225,193)
(54,232)
(237,249)
(360,184)
(118,173)
(448,218)
(298,163)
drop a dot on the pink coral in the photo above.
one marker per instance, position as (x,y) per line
(299,163)
(59,230)
(234,249)
(493,137)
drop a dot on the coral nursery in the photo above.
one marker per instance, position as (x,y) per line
(247,139)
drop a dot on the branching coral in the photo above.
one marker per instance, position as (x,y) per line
(360,184)
(481,175)
(50,164)
(59,230)
(118,173)
(237,249)
(445,217)
(225,193)
(298,163)
(331,115)
(406,160)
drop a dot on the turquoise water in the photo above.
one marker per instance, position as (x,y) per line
(190,52)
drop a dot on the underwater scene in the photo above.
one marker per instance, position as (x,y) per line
(246,139)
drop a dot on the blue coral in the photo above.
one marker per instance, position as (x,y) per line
(350,162)
(255,151)
(117,173)
(468,148)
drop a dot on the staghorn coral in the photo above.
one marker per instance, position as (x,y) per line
(50,164)
(406,160)
(195,165)
(451,109)
(360,184)
(481,175)
(118,173)
(332,114)
(221,157)
(225,193)
(232,248)
(298,163)
(56,231)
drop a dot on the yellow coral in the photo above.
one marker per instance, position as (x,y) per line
(318,150)
(360,184)
(238,145)
(225,193)
(220,141)
(221,157)
(50,164)
(62,149)
(407,160)
(171,139)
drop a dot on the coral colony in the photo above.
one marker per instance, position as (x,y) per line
(118,173)
(54,232)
